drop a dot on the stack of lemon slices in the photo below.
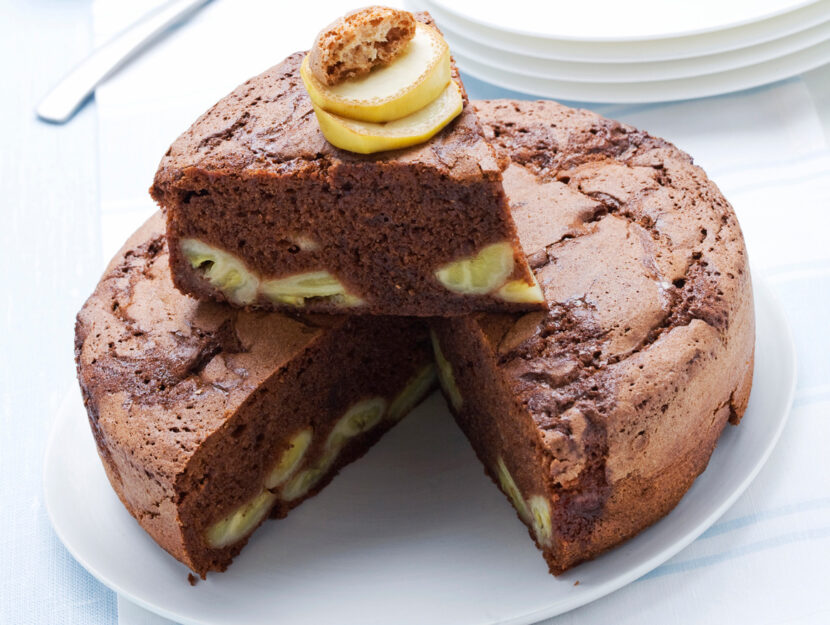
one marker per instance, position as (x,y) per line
(394,106)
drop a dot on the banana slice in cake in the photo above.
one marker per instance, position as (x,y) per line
(479,274)
(240,522)
(290,459)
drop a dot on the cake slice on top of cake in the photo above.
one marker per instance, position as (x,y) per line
(595,417)
(264,212)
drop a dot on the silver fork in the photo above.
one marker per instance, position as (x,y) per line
(65,99)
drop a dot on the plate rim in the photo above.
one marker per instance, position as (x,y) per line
(761,290)
(772,15)
(621,52)
(759,284)
(782,68)
(704,65)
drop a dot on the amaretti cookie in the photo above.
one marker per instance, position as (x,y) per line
(596,416)
(263,212)
(355,44)
(209,419)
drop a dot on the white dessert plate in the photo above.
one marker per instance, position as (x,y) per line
(412,533)
(650,50)
(535,67)
(611,20)
(653,91)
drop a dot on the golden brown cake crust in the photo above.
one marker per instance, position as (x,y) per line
(192,402)
(620,391)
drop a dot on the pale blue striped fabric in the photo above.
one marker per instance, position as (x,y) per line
(766,560)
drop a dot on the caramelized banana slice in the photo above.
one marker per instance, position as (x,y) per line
(305,480)
(368,137)
(224,271)
(512,491)
(521,292)
(361,417)
(406,85)
(294,290)
(445,374)
(415,390)
(290,459)
(542,527)
(480,274)
(240,522)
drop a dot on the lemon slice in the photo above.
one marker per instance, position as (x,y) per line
(406,85)
(368,137)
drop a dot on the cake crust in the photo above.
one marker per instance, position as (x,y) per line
(611,402)
(254,177)
(608,404)
(191,403)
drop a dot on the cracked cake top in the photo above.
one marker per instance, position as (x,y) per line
(635,245)
(173,366)
(267,126)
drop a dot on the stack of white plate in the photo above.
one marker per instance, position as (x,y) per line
(633,51)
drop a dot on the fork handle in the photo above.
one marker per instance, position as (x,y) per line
(65,99)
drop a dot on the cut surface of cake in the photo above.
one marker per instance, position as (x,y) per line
(208,419)
(263,212)
(596,416)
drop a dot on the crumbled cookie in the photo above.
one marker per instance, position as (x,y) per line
(356,43)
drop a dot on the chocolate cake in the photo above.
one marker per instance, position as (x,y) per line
(263,212)
(593,415)
(596,416)
(208,419)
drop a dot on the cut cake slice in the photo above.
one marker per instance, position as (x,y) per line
(263,212)
(209,419)
(595,416)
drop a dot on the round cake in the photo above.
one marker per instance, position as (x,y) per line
(596,416)
(208,419)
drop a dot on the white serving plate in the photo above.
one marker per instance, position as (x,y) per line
(653,91)
(414,533)
(535,67)
(611,20)
(714,42)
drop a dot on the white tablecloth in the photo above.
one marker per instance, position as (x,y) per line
(766,560)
